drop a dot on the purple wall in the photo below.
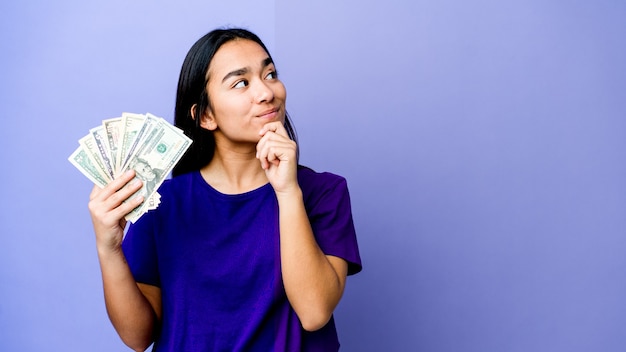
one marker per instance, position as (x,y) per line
(483,144)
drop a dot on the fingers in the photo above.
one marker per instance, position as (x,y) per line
(274,148)
(112,187)
(114,201)
(276,127)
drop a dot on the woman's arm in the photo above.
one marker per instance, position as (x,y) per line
(133,310)
(314,282)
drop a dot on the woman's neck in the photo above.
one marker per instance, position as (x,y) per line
(234,171)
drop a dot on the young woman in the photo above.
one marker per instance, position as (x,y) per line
(248,251)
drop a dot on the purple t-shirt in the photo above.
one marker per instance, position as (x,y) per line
(216,258)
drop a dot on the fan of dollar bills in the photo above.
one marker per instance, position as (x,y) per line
(145,143)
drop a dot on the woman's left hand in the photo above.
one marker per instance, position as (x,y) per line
(278,156)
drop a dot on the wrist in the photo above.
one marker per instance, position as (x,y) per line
(109,250)
(289,195)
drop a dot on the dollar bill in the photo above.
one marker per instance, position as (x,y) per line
(155,157)
(147,132)
(102,147)
(153,202)
(132,124)
(145,143)
(88,143)
(113,130)
(83,163)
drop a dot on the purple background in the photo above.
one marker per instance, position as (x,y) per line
(483,143)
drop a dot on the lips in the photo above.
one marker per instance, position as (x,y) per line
(269,114)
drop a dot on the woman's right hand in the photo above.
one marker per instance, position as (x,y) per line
(129,305)
(107,207)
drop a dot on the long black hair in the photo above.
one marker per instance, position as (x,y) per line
(192,90)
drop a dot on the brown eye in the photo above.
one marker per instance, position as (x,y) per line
(241,84)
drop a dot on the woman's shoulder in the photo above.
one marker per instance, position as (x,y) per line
(308,175)
(314,182)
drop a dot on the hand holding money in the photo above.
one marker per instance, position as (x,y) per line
(144,143)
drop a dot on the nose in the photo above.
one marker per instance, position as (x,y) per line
(263,92)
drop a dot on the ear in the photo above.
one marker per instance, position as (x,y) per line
(207,121)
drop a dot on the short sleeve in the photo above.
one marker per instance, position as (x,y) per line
(140,250)
(330,214)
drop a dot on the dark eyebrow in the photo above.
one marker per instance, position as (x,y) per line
(242,71)
(239,72)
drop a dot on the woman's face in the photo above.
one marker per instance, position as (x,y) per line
(244,92)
